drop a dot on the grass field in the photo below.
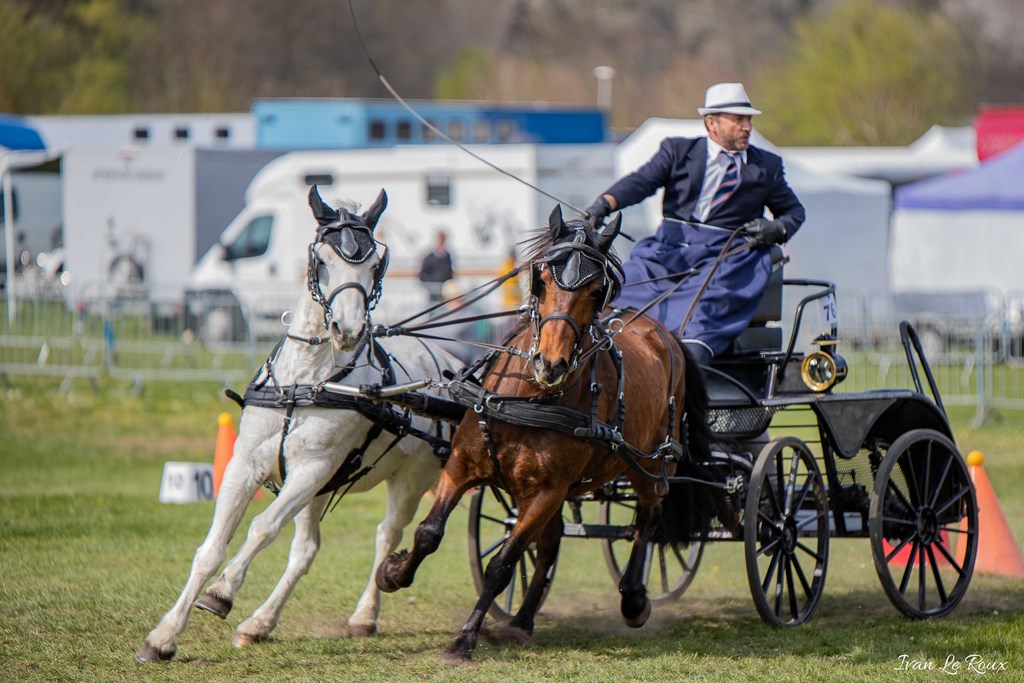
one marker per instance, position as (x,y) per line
(89,561)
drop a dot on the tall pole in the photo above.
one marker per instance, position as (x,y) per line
(604,76)
(6,172)
(9,161)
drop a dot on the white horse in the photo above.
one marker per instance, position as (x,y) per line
(328,339)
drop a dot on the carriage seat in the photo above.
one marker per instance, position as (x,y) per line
(758,337)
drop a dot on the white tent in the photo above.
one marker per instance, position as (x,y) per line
(844,240)
(962,231)
(940,150)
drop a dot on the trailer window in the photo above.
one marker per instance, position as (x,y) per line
(481,131)
(319,179)
(252,241)
(439,190)
(428,133)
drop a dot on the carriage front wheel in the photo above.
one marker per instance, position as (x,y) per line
(491,518)
(923,523)
(786,533)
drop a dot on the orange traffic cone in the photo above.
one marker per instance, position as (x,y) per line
(901,558)
(225,447)
(998,552)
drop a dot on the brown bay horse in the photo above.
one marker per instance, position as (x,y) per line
(565,360)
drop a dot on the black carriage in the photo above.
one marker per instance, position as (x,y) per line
(878,464)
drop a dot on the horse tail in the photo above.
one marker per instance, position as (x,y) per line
(690,506)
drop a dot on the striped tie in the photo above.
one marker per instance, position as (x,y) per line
(729,182)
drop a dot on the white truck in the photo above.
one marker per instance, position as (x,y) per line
(257,271)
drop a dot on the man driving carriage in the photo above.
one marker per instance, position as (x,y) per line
(713,185)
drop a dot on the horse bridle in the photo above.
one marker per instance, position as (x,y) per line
(573,264)
(353,241)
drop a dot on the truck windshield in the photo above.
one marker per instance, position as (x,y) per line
(252,241)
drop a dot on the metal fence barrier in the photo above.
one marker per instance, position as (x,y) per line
(140,336)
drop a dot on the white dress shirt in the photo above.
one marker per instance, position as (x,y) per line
(714,171)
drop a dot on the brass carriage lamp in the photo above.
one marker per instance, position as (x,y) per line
(824,368)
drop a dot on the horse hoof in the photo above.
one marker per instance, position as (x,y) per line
(362,630)
(383,577)
(149,654)
(640,619)
(242,640)
(213,603)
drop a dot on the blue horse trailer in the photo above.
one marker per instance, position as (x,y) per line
(354,124)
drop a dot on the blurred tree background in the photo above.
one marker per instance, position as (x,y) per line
(846,72)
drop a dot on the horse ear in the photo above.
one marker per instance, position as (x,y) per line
(556,222)
(607,234)
(323,214)
(372,215)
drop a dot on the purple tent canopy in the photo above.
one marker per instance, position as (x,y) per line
(997,183)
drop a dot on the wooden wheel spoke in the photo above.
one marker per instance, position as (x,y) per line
(949,558)
(791,483)
(951,500)
(802,577)
(770,521)
(770,572)
(491,518)
(684,562)
(942,480)
(927,470)
(658,552)
(922,584)
(804,490)
(510,596)
(816,556)
(793,607)
(909,570)
(527,565)
(779,579)
(768,546)
(492,547)
(899,494)
(912,478)
(936,575)
(807,522)
(899,520)
(773,497)
(504,502)
(897,549)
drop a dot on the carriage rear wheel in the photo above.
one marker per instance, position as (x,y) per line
(923,524)
(786,533)
(491,518)
(668,567)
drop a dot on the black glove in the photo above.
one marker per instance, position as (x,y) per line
(598,211)
(763,232)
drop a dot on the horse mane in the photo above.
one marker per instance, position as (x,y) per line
(540,240)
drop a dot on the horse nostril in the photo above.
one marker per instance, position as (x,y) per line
(538,363)
(559,369)
(334,328)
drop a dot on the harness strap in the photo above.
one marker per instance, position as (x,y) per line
(285,428)
(492,451)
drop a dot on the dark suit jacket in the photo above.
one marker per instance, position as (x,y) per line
(679,165)
(726,306)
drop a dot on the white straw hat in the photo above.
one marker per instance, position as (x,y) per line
(727,98)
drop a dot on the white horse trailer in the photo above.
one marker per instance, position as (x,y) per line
(259,266)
